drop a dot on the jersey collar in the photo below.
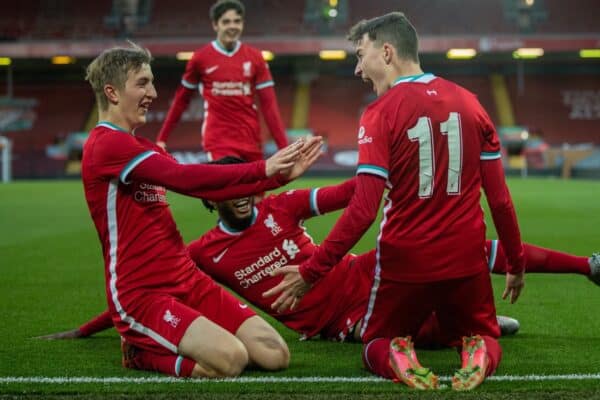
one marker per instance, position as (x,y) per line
(112,126)
(234,232)
(217,46)
(421,78)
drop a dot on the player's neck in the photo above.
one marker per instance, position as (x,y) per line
(229,46)
(115,119)
(403,68)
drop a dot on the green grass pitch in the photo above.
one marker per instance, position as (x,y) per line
(52,279)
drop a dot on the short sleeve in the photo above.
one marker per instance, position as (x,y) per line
(373,145)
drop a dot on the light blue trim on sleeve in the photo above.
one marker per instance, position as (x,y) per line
(490,156)
(313,202)
(188,85)
(134,163)
(264,85)
(373,170)
(492,255)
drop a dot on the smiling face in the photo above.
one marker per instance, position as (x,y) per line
(236,213)
(229,28)
(370,64)
(134,99)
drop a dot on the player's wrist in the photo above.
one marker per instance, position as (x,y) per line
(308,274)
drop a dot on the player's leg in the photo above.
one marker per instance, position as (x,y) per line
(472,325)
(216,351)
(166,363)
(396,309)
(595,268)
(541,260)
(266,348)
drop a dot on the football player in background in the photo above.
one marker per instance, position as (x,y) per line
(158,300)
(250,241)
(228,74)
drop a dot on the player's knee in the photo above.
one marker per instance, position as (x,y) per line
(283,361)
(233,361)
(274,354)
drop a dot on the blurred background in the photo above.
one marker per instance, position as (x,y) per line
(534,64)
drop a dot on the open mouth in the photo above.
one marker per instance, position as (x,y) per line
(242,205)
(145,107)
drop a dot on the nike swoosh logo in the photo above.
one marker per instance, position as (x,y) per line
(210,70)
(243,305)
(218,257)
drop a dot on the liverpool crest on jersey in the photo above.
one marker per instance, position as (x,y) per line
(247,67)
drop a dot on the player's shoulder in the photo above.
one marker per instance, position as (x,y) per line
(203,53)
(251,51)
(206,239)
(107,134)
(206,48)
(267,202)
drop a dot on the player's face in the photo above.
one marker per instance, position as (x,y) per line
(370,64)
(135,98)
(229,28)
(236,213)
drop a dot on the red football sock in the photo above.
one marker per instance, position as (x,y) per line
(494,352)
(169,364)
(540,259)
(376,357)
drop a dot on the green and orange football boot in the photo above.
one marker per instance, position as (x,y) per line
(474,364)
(406,367)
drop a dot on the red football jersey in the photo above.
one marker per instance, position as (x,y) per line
(243,261)
(132,218)
(228,81)
(427,136)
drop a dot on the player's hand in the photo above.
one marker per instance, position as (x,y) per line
(284,159)
(514,286)
(72,334)
(291,288)
(311,151)
(162,145)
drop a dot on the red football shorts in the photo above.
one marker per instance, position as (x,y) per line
(463,307)
(157,320)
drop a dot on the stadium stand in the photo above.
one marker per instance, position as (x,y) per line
(559,103)
(61,109)
(70,19)
(563,108)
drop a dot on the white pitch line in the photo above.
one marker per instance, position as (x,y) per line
(62,380)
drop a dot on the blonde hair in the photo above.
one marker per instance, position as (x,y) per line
(112,66)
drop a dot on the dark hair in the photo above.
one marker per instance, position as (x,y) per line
(222,161)
(393,28)
(222,6)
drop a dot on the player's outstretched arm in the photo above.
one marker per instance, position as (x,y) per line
(70,334)
(97,324)
(505,221)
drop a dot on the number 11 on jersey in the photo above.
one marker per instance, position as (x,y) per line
(423,133)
